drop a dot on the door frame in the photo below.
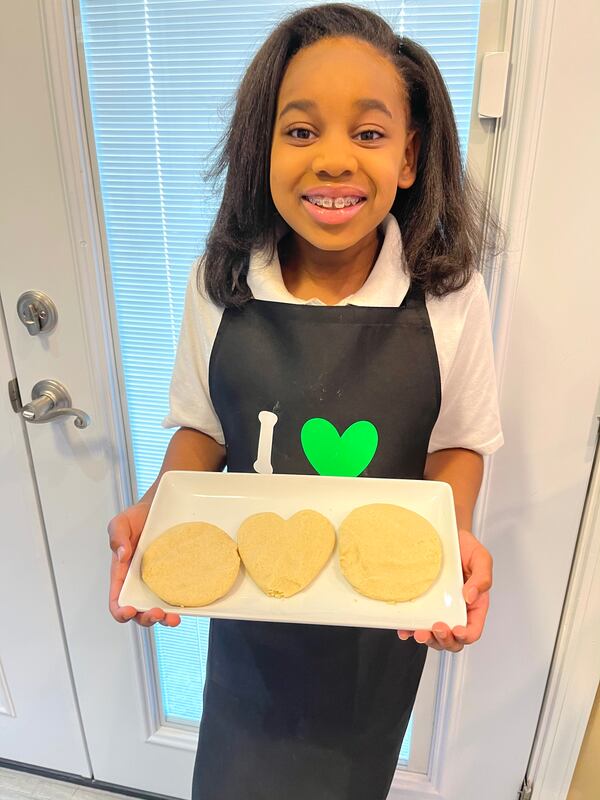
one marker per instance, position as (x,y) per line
(575,672)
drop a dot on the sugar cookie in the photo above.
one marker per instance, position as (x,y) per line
(284,556)
(191,564)
(388,552)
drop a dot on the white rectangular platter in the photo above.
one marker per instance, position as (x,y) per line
(226,499)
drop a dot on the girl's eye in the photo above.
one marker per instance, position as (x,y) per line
(302,130)
(305,134)
(379,135)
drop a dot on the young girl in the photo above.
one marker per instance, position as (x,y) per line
(339,281)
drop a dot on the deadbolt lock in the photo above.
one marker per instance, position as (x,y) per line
(37,312)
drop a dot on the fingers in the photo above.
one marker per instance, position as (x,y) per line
(118,571)
(479,568)
(440,637)
(146,618)
(171,620)
(476,614)
(445,639)
(125,529)
(119,533)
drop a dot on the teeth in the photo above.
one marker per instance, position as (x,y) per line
(330,202)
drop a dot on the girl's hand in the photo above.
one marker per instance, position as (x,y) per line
(124,531)
(477,571)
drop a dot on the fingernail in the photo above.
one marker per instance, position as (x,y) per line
(120,553)
(440,633)
(472,595)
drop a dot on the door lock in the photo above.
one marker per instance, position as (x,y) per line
(37,312)
(49,399)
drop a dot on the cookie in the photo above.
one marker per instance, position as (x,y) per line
(388,552)
(191,564)
(284,556)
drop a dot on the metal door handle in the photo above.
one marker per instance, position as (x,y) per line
(50,399)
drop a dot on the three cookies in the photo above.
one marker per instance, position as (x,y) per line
(386,552)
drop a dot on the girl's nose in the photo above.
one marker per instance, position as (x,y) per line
(334,159)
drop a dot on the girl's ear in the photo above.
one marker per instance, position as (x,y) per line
(408,171)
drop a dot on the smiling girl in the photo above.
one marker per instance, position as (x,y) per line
(340,282)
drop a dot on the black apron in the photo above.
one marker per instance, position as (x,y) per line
(313,712)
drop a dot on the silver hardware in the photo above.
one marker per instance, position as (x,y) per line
(49,399)
(526,790)
(15,395)
(37,312)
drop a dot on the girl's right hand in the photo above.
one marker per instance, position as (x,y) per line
(124,531)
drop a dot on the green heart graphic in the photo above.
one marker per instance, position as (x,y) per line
(331,454)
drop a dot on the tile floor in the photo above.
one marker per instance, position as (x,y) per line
(16,785)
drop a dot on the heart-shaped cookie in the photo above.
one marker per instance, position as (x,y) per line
(284,556)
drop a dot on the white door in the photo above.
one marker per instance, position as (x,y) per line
(52,242)
(37,695)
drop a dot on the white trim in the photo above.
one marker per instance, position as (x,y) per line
(519,129)
(65,76)
(425,722)
(7,706)
(528,39)
(181,738)
(575,672)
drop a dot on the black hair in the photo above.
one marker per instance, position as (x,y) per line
(440,216)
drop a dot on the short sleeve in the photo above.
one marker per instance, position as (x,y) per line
(469,416)
(190,405)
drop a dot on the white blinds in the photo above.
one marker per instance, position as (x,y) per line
(160,74)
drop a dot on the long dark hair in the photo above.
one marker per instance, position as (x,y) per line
(439,216)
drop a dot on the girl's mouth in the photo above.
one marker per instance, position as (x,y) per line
(332,216)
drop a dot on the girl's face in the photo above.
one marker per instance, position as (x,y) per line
(340,123)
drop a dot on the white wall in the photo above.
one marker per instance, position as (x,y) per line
(548,389)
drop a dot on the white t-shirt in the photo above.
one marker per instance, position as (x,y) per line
(460,322)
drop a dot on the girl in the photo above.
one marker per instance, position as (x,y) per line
(338,282)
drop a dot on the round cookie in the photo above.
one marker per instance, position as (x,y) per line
(283,556)
(191,564)
(388,552)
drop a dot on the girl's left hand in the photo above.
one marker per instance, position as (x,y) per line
(477,571)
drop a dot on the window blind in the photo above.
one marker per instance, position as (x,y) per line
(160,75)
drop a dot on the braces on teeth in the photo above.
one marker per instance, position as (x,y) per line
(329,202)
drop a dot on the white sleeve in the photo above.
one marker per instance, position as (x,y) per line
(469,416)
(190,405)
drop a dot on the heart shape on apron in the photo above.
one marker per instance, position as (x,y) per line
(283,556)
(331,454)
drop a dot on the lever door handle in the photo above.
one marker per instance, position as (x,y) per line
(50,399)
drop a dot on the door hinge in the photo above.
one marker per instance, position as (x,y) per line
(15,396)
(526,790)
(492,85)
